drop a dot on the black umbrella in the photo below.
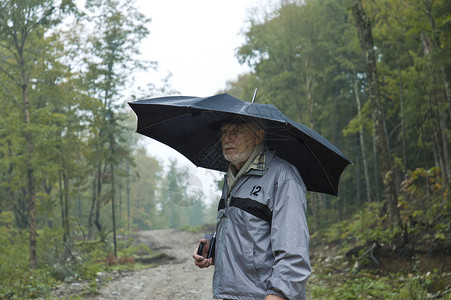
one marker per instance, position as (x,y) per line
(184,123)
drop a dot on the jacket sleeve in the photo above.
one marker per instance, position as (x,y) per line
(290,241)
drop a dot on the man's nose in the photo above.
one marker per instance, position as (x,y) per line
(226,136)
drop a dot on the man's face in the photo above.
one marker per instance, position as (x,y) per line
(238,142)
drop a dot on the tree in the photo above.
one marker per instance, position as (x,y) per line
(439,94)
(173,196)
(361,139)
(145,179)
(302,60)
(367,43)
(119,27)
(23,23)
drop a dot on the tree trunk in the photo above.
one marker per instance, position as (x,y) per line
(357,174)
(442,94)
(64,204)
(31,186)
(98,205)
(119,196)
(309,84)
(128,196)
(436,113)
(444,129)
(93,203)
(113,213)
(63,216)
(436,45)
(403,127)
(362,143)
(315,199)
(367,44)
(376,169)
(80,205)
(66,224)
(94,215)
(447,90)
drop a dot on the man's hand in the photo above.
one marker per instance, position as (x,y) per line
(200,260)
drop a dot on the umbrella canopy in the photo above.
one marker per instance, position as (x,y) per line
(184,123)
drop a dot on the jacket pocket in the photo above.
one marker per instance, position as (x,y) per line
(251,264)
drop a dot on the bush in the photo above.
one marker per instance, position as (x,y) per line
(367,226)
(426,203)
(363,286)
(15,275)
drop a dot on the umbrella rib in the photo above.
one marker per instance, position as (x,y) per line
(316,158)
(280,135)
(208,153)
(165,120)
(319,163)
(281,139)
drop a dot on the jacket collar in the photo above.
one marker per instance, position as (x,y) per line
(261,163)
(258,167)
(233,174)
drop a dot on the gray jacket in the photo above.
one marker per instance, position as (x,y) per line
(262,240)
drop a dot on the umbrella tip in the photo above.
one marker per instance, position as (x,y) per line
(255,94)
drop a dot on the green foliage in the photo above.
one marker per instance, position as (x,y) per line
(426,203)
(421,185)
(77,149)
(15,275)
(305,59)
(145,178)
(336,282)
(126,249)
(354,287)
(368,225)
(180,201)
(369,286)
(413,290)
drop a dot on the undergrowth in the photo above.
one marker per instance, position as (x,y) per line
(366,226)
(57,263)
(366,285)
(424,206)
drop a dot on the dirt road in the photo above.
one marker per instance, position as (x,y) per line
(177,279)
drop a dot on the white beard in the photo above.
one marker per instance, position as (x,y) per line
(238,158)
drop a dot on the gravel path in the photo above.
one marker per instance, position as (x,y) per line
(178,279)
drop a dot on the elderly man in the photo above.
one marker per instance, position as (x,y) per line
(262,239)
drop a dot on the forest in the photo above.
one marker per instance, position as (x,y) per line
(373,77)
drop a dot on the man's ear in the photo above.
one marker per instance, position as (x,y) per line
(259,136)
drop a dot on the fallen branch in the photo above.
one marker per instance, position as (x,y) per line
(370,251)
